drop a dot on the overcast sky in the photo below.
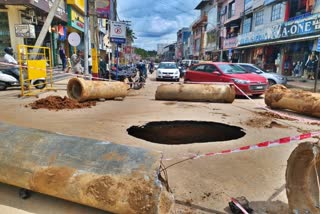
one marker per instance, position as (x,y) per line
(157,21)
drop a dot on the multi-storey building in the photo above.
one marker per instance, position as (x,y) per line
(270,33)
(22,20)
(182,40)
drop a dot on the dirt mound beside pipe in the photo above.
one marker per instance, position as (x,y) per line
(301,179)
(59,103)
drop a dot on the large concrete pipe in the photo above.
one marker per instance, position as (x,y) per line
(82,90)
(111,177)
(301,179)
(196,92)
(304,102)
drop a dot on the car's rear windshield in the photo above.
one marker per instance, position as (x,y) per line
(167,65)
(231,69)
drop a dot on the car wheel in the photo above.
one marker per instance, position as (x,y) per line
(39,84)
(271,82)
(3,86)
(177,80)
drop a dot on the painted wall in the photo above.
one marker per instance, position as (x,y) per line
(14,18)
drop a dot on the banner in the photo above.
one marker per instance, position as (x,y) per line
(103,8)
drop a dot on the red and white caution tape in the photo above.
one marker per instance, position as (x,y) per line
(239,206)
(266,144)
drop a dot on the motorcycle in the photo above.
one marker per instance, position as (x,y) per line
(125,74)
(9,79)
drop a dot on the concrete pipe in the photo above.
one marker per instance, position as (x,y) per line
(196,92)
(304,102)
(107,176)
(82,90)
(301,179)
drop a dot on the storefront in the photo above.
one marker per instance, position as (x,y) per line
(75,24)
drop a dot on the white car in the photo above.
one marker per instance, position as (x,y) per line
(168,71)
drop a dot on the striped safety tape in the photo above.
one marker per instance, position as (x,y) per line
(239,205)
(266,144)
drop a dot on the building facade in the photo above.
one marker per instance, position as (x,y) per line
(274,34)
(22,21)
(182,40)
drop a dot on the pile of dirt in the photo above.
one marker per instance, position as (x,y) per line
(59,103)
(274,115)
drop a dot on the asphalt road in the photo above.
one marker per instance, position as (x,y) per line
(203,185)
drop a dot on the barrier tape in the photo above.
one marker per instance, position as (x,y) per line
(260,106)
(239,205)
(266,144)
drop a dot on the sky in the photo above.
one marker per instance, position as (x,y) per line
(157,21)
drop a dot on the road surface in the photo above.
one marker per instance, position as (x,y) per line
(203,185)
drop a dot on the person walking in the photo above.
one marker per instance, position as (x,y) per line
(311,65)
(90,64)
(63,58)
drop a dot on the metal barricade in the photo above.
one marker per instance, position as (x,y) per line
(35,65)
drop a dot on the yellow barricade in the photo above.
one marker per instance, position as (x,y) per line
(35,65)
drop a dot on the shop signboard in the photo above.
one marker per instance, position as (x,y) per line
(230,43)
(318,45)
(118,32)
(75,20)
(103,8)
(25,31)
(303,26)
(307,25)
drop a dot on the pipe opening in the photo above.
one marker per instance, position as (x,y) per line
(185,132)
(74,89)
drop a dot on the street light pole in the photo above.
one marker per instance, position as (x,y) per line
(86,37)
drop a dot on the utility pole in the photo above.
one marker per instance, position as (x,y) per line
(47,25)
(93,32)
(86,37)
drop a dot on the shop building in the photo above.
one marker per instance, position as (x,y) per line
(22,20)
(182,40)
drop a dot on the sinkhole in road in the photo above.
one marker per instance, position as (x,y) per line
(185,132)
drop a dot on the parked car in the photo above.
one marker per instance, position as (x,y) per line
(250,83)
(156,65)
(189,62)
(168,70)
(273,78)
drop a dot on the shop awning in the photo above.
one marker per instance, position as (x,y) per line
(279,42)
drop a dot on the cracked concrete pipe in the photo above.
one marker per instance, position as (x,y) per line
(100,174)
(196,92)
(82,90)
(303,102)
(301,179)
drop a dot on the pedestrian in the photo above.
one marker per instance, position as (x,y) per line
(63,58)
(297,69)
(8,58)
(311,65)
(90,64)
(151,67)
(76,62)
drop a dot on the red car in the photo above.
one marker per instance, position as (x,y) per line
(251,84)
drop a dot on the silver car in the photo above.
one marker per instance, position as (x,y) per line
(273,78)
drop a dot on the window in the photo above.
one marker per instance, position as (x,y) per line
(247,4)
(276,12)
(259,18)
(232,9)
(246,25)
(198,68)
(249,68)
(210,68)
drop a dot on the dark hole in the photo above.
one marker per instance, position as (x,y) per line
(184,132)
